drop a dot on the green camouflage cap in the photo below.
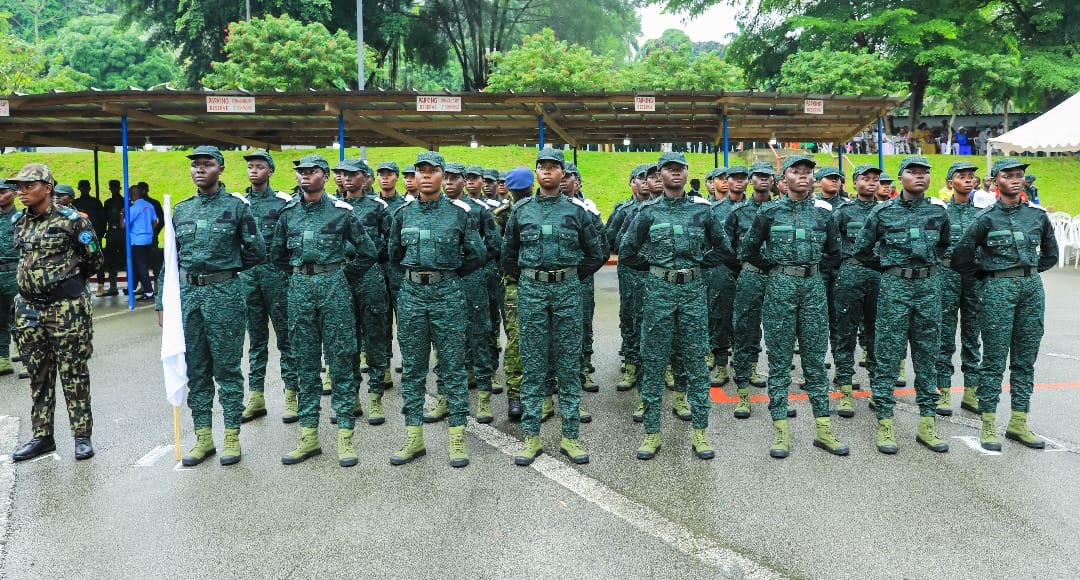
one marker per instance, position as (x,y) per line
(492,174)
(409,169)
(737,169)
(885,178)
(652,168)
(208,151)
(638,170)
(865,168)
(311,161)
(960,166)
(431,158)
(389,165)
(910,160)
(364,167)
(828,172)
(8,184)
(571,169)
(721,172)
(349,165)
(62,189)
(261,155)
(1006,163)
(474,170)
(34,172)
(549,154)
(796,159)
(672,157)
(762,167)
(454,167)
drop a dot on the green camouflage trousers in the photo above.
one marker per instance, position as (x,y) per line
(512,357)
(746,319)
(321,320)
(676,320)
(721,288)
(9,289)
(796,308)
(372,314)
(635,290)
(588,311)
(214,323)
(959,298)
(432,314)
(57,338)
(495,293)
(1011,314)
(265,288)
(856,308)
(478,350)
(908,312)
(549,314)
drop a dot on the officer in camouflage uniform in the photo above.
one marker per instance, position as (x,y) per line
(53,327)
(323,244)
(494,275)
(628,329)
(9,261)
(265,290)
(1009,243)
(856,288)
(551,245)
(433,239)
(673,237)
(369,292)
(388,178)
(216,237)
(909,234)
(519,183)
(749,289)
(720,281)
(830,182)
(959,297)
(794,239)
(571,187)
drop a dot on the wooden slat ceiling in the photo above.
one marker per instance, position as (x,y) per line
(374,118)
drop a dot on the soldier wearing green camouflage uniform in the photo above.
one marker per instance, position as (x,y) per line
(794,239)
(909,234)
(628,281)
(320,241)
(519,183)
(9,261)
(1008,245)
(571,187)
(370,300)
(720,280)
(496,290)
(856,289)
(388,193)
(216,237)
(551,245)
(265,292)
(830,184)
(672,238)
(58,252)
(433,239)
(959,297)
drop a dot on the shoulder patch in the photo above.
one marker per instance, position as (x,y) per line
(380,200)
(937,201)
(700,200)
(460,204)
(823,204)
(85,237)
(342,205)
(240,197)
(283,196)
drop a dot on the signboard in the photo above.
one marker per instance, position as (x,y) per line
(647,104)
(814,107)
(438,104)
(230,104)
(5,109)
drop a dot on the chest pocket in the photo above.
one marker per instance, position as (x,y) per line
(851,231)
(782,243)
(695,242)
(810,245)
(447,251)
(410,240)
(185,239)
(956,231)
(221,238)
(1001,247)
(530,252)
(569,249)
(662,241)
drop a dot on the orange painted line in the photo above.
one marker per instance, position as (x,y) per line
(718,395)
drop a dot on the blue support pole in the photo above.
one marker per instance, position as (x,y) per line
(127,204)
(341,136)
(880,142)
(540,141)
(840,157)
(726,147)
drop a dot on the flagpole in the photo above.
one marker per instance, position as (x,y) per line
(176,430)
(173,359)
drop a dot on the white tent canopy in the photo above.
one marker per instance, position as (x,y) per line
(1055,131)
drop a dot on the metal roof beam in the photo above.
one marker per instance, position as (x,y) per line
(555,126)
(33,139)
(357,119)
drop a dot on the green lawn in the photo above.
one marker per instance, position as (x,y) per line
(605,175)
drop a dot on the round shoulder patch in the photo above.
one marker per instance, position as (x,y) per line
(86,237)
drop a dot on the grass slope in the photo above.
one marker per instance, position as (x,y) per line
(605,175)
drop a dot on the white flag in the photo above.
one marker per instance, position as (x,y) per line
(172,332)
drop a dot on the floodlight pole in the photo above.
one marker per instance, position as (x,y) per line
(248,10)
(725,140)
(359,71)
(127,204)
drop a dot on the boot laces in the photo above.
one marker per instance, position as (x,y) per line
(457,444)
(887,432)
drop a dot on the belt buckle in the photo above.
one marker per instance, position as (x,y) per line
(425,277)
(680,277)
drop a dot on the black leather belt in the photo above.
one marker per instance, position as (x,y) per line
(797,271)
(9,266)
(209,277)
(1017,272)
(316,268)
(550,276)
(430,277)
(676,276)
(748,267)
(912,273)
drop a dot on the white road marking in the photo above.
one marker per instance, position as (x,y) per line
(54,456)
(122,312)
(180,467)
(153,456)
(9,437)
(974,443)
(1059,355)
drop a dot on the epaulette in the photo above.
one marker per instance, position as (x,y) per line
(240,197)
(293,201)
(937,201)
(1033,206)
(652,201)
(591,206)
(524,201)
(18,215)
(409,197)
(491,202)
(380,200)
(460,204)
(700,200)
(342,204)
(578,203)
(985,210)
(823,204)
(283,196)
(739,204)
(68,213)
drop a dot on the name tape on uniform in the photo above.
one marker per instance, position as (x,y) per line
(432,104)
(230,104)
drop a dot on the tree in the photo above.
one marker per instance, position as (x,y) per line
(282,53)
(1048,37)
(543,63)
(37,20)
(838,72)
(113,58)
(25,69)
(668,68)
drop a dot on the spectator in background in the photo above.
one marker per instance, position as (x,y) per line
(885,190)
(158,254)
(946,192)
(113,236)
(984,196)
(141,221)
(91,207)
(1030,189)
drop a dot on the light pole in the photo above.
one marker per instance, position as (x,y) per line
(248,3)
(360,59)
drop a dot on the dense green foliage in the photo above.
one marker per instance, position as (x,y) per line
(837,71)
(113,58)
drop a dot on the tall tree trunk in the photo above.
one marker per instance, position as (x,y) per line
(918,84)
(1005,126)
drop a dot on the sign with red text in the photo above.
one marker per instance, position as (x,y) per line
(438,104)
(5,108)
(814,107)
(230,104)
(645,104)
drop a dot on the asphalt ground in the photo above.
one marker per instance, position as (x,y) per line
(131,512)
